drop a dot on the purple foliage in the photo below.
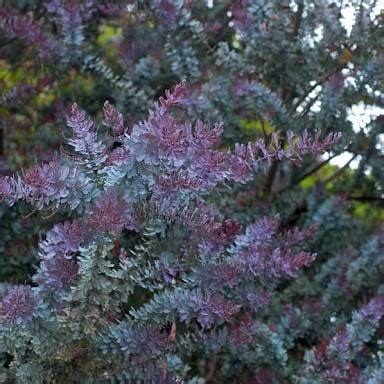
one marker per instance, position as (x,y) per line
(333,359)
(168,12)
(118,156)
(336,82)
(84,139)
(111,9)
(111,213)
(212,278)
(216,305)
(169,185)
(240,14)
(219,276)
(160,138)
(18,305)
(51,182)
(71,15)
(45,180)
(268,254)
(64,239)
(210,308)
(241,331)
(143,341)
(18,95)
(22,92)
(24,27)
(164,141)
(373,311)
(5,188)
(113,119)
(57,273)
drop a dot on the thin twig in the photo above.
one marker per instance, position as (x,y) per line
(340,171)
(366,198)
(212,369)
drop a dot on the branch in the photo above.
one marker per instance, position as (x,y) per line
(321,81)
(270,178)
(340,171)
(298,18)
(293,218)
(366,198)
(211,369)
(312,171)
(286,95)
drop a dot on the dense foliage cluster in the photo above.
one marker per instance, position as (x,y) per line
(198,235)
